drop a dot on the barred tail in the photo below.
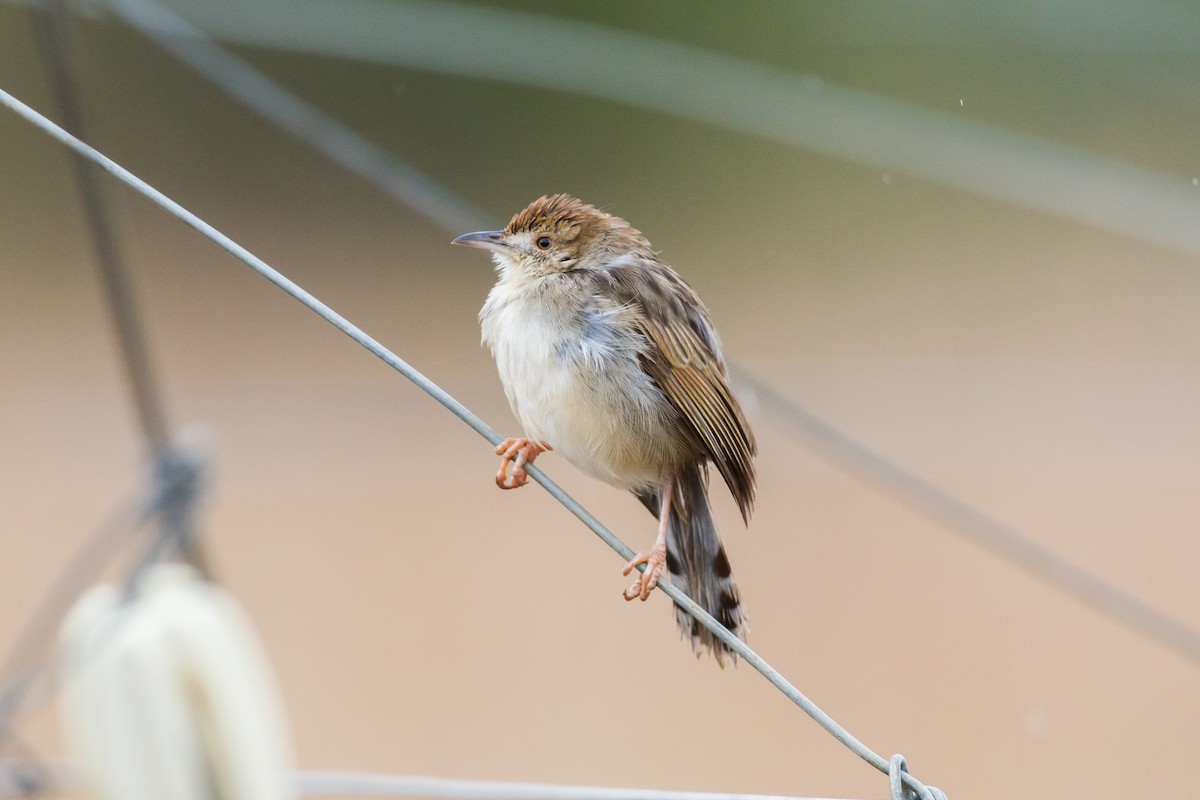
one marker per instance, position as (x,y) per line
(698,565)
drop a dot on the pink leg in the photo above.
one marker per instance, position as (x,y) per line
(517,452)
(655,558)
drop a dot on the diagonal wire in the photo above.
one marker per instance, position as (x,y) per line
(463,413)
(960,517)
(301,119)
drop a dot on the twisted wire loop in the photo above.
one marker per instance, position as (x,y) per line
(898,776)
(458,409)
(179,476)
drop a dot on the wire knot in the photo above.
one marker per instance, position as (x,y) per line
(899,775)
(180,478)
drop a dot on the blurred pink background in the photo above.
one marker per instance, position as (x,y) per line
(1043,370)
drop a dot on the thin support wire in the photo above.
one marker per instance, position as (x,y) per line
(452,213)
(463,413)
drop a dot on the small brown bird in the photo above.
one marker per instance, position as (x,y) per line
(609,358)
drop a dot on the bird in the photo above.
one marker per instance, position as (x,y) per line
(610,359)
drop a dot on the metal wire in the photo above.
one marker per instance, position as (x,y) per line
(460,411)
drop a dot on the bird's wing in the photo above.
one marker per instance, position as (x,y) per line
(684,359)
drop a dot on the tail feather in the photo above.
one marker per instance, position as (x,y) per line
(698,565)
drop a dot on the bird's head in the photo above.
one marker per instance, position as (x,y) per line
(557,234)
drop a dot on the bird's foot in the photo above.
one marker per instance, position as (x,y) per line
(517,452)
(655,560)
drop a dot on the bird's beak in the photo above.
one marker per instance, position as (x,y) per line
(488,240)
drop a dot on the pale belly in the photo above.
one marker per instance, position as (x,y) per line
(594,406)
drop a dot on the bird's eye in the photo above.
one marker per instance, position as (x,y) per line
(543,242)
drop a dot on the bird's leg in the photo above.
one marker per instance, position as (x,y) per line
(655,558)
(517,452)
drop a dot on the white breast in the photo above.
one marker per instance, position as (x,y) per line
(572,378)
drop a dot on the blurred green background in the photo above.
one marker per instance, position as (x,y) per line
(1043,366)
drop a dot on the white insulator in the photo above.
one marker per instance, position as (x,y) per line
(168,694)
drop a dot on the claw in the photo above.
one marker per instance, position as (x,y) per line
(518,453)
(655,560)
